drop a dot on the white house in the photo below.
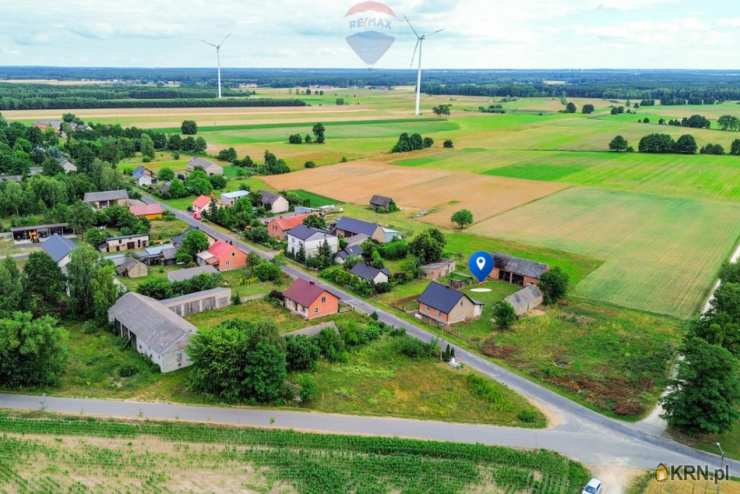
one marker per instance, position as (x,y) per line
(229,198)
(311,239)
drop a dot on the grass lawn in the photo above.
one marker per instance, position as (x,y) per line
(166,230)
(314,200)
(661,254)
(379,380)
(51,453)
(730,441)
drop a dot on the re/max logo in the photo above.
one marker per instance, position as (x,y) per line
(692,472)
(370,22)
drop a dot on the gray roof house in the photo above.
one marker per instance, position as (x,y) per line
(68,166)
(59,249)
(207,166)
(526,299)
(100,200)
(154,330)
(194,303)
(349,251)
(371,274)
(349,227)
(158,254)
(516,270)
(444,305)
(381,202)
(190,273)
(274,202)
(311,239)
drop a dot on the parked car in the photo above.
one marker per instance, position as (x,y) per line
(594,486)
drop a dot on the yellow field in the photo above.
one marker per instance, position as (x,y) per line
(435,194)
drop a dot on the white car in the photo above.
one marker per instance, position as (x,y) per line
(594,486)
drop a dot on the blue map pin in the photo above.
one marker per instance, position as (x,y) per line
(481,265)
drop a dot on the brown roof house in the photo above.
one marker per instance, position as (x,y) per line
(516,270)
(446,306)
(382,203)
(130,267)
(437,270)
(349,227)
(309,300)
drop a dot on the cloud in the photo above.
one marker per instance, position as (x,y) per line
(106,30)
(32,38)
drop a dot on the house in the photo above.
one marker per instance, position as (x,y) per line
(371,274)
(437,270)
(222,256)
(59,249)
(207,166)
(149,211)
(164,188)
(37,233)
(102,200)
(228,199)
(125,242)
(201,205)
(44,124)
(528,298)
(309,300)
(189,273)
(68,166)
(516,270)
(278,227)
(158,254)
(153,330)
(389,235)
(274,203)
(349,251)
(144,177)
(11,178)
(382,203)
(195,303)
(446,306)
(131,268)
(349,227)
(311,239)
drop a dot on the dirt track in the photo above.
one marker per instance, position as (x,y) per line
(437,191)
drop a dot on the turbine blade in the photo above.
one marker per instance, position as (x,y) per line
(413,56)
(435,32)
(412,27)
(208,43)
(224,40)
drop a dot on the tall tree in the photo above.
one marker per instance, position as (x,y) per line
(81,271)
(11,286)
(43,284)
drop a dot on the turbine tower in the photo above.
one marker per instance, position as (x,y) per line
(419,47)
(218,59)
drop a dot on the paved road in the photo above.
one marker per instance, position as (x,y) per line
(579,432)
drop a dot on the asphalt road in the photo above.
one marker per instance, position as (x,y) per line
(578,432)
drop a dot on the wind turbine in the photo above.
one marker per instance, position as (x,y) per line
(419,46)
(218,59)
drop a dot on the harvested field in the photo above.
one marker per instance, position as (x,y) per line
(437,191)
(661,254)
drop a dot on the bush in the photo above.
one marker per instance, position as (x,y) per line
(527,416)
(713,149)
(448,144)
(127,370)
(657,143)
(309,389)
(267,271)
(554,285)
(417,349)
(485,389)
(331,345)
(309,164)
(295,139)
(301,353)
(504,314)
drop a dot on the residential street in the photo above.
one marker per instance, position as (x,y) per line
(578,432)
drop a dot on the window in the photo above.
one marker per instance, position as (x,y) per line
(323,300)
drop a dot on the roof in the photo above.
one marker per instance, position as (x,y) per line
(189,273)
(108,195)
(381,201)
(221,249)
(57,247)
(152,322)
(305,292)
(68,166)
(268,197)
(168,251)
(367,272)
(235,195)
(442,297)
(356,226)
(201,202)
(126,264)
(192,297)
(303,232)
(124,237)
(146,209)
(525,299)
(202,163)
(138,172)
(287,222)
(358,239)
(38,227)
(519,266)
(444,263)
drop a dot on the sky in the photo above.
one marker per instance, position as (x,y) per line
(681,34)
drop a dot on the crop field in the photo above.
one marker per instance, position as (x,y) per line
(66,454)
(661,254)
(438,193)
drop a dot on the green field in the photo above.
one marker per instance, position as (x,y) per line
(661,254)
(45,453)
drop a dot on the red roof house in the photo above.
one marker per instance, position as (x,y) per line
(148,211)
(201,203)
(309,300)
(223,256)
(278,227)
